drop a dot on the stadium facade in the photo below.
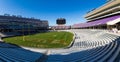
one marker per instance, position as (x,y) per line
(106,16)
(19,24)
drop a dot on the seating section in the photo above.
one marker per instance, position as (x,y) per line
(89,46)
(60,27)
(96,22)
(12,53)
(8,34)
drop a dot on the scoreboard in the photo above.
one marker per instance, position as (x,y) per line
(61,21)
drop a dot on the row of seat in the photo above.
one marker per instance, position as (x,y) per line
(12,53)
(89,46)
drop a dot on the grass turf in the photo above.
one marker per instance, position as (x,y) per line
(43,40)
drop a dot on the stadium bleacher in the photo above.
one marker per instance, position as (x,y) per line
(96,23)
(88,46)
(13,53)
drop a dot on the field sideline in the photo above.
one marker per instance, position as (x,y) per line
(43,40)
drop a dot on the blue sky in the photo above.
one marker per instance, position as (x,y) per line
(72,10)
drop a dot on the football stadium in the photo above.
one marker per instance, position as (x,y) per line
(25,39)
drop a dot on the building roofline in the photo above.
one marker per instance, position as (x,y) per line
(103,7)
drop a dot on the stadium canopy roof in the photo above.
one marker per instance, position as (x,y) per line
(113,22)
(109,21)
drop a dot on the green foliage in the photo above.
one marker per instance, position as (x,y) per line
(43,40)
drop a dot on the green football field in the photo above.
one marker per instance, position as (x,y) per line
(43,40)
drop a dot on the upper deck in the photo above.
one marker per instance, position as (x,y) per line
(110,8)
